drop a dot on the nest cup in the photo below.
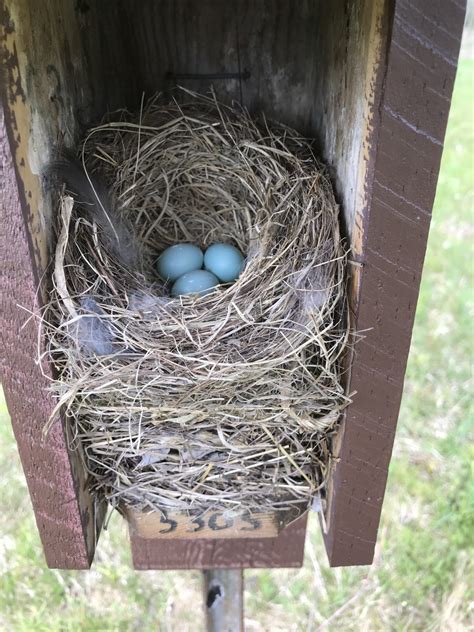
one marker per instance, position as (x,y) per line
(225,401)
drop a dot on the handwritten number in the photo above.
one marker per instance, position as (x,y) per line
(172,524)
(200,524)
(216,522)
(252,521)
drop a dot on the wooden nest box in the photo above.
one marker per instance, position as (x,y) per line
(370,80)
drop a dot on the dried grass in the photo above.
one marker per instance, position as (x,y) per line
(222,401)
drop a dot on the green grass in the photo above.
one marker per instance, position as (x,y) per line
(423,572)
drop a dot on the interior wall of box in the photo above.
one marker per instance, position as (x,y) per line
(308,63)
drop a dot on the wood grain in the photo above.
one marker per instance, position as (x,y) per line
(44,90)
(39,87)
(409,126)
(310,64)
(213,524)
(371,81)
(286,550)
(181,526)
(56,485)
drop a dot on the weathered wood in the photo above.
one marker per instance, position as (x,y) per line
(310,64)
(213,524)
(224,600)
(286,550)
(33,111)
(44,87)
(403,164)
(371,81)
(64,511)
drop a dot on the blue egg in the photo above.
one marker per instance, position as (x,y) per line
(225,261)
(178,260)
(196,282)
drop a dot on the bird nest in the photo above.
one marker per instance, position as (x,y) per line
(227,400)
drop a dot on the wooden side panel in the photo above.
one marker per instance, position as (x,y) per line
(286,550)
(63,511)
(41,83)
(378,113)
(45,93)
(401,184)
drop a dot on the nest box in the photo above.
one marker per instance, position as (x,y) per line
(370,80)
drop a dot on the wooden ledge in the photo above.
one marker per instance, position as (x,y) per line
(210,525)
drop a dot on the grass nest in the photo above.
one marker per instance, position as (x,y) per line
(225,401)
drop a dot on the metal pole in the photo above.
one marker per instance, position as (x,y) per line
(224,600)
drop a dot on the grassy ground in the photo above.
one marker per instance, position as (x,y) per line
(424,563)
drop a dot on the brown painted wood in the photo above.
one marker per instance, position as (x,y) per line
(405,156)
(39,88)
(286,550)
(55,479)
(370,80)
(297,51)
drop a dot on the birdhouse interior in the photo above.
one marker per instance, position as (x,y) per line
(320,67)
(309,64)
